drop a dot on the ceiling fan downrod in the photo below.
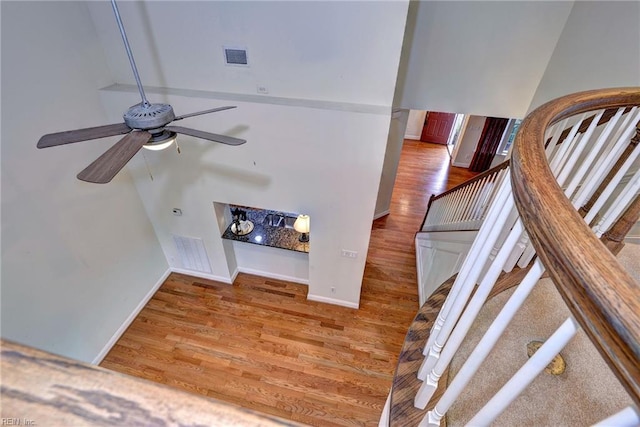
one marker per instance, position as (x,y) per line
(145,103)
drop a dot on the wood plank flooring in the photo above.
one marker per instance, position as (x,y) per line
(261,345)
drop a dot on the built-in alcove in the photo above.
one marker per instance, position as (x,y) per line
(267,244)
(265,227)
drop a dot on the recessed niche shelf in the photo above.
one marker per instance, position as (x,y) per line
(270,228)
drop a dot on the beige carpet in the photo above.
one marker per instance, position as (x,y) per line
(585,393)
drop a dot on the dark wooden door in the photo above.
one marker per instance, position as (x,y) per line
(437,127)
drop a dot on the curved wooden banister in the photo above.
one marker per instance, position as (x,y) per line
(602,296)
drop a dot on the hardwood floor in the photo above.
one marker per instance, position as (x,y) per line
(260,344)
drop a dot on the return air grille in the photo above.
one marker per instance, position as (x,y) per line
(235,56)
(192,254)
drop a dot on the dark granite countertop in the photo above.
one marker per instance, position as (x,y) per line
(266,235)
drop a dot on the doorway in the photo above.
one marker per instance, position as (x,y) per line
(437,127)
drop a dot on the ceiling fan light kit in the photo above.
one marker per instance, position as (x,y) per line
(161,140)
(145,126)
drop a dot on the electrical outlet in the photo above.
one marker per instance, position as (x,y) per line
(349,254)
(262,89)
(333,290)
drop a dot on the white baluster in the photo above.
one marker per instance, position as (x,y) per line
(493,193)
(473,194)
(605,162)
(456,207)
(482,189)
(441,206)
(527,373)
(628,417)
(622,201)
(435,218)
(473,206)
(609,189)
(466,320)
(459,202)
(553,144)
(593,152)
(455,218)
(469,272)
(452,200)
(476,247)
(559,156)
(501,239)
(581,145)
(442,202)
(527,255)
(486,344)
(517,253)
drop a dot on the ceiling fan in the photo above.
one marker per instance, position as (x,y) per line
(145,125)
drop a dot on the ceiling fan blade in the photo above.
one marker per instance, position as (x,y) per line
(67,137)
(229,140)
(213,110)
(105,167)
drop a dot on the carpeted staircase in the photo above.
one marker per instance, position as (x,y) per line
(584,394)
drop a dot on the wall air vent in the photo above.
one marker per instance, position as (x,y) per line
(235,56)
(192,253)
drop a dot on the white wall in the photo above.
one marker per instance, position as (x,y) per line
(415,123)
(479,57)
(599,47)
(328,51)
(77,258)
(392,154)
(466,145)
(316,141)
(319,161)
(270,262)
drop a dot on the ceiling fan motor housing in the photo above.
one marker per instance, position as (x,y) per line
(149,116)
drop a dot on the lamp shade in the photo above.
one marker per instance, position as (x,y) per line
(302,224)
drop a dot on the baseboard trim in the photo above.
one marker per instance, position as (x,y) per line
(461,165)
(201,275)
(333,301)
(116,336)
(234,275)
(270,275)
(632,239)
(381,214)
(416,137)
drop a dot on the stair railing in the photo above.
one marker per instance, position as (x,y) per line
(541,196)
(464,207)
(603,298)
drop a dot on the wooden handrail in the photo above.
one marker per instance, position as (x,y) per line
(602,296)
(478,177)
